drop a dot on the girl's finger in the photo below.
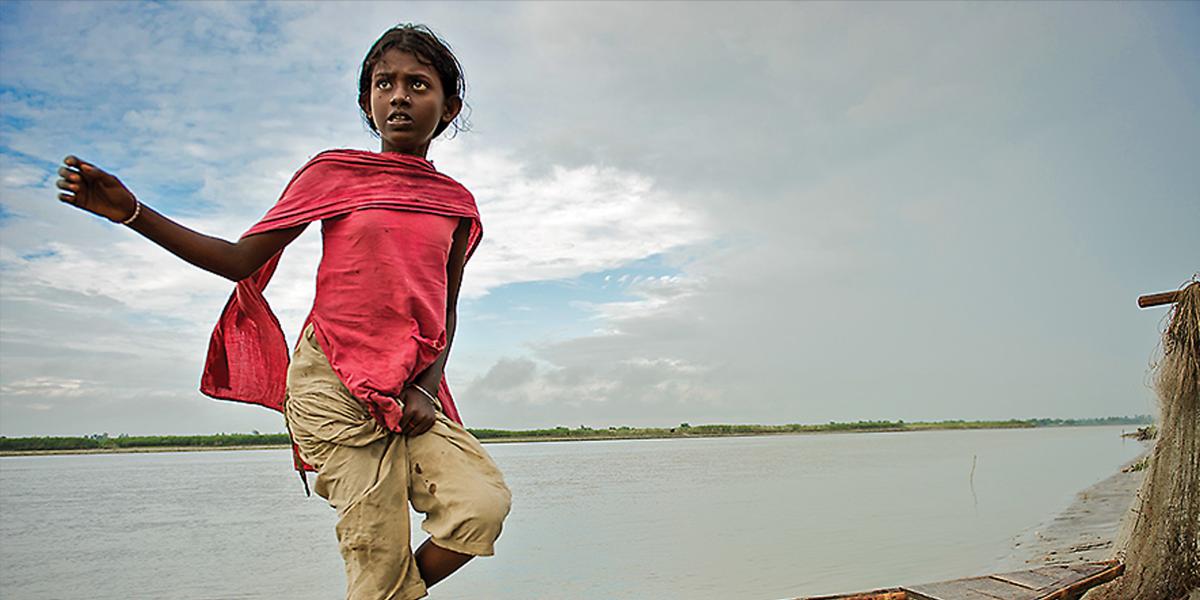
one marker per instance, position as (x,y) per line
(73,161)
(63,184)
(99,174)
(68,198)
(80,166)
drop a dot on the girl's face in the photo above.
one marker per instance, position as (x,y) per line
(407,103)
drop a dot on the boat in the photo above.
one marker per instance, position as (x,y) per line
(1056,582)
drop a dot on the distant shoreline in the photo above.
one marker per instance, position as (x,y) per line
(140,450)
(8,446)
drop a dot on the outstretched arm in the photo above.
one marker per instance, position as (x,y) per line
(89,188)
(416,419)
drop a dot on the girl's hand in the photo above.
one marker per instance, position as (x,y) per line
(419,413)
(86,186)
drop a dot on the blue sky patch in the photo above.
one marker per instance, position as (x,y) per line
(39,254)
(521,314)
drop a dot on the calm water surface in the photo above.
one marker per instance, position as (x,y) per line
(754,518)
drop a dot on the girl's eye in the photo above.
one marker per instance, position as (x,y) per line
(419,85)
(383,84)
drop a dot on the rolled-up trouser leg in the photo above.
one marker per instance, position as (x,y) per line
(458,487)
(363,473)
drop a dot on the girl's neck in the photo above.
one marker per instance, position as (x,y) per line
(419,152)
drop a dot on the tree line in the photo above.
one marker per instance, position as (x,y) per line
(101,442)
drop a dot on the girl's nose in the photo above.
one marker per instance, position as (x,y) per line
(401,98)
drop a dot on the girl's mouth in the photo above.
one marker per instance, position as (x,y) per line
(396,118)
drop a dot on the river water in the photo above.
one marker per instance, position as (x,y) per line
(730,518)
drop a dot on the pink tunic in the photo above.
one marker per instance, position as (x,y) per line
(380,308)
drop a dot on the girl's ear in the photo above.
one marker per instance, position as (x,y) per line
(366,108)
(452,108)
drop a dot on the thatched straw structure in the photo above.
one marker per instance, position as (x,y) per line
(1162,541)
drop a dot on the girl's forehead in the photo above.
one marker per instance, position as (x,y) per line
(395,59)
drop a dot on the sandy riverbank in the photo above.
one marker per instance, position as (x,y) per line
(1087,530)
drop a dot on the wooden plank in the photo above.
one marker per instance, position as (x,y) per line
(975,588)
(1074,571)
(959,594)
(1028,579)
(1047,579)
(1107,573)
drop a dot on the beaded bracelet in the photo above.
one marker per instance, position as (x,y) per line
(137,210)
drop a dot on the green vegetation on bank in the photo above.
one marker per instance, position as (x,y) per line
(103,442)
(687,430)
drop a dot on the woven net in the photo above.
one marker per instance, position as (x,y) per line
(1161,541)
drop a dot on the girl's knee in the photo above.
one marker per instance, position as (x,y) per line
(478,530)
(490,512)
(500,504)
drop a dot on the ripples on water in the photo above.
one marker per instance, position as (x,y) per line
(752,518)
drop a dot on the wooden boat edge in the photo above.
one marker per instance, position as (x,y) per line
(1112,569)
(881,594)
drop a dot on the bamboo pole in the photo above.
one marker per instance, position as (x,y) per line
(1158,299)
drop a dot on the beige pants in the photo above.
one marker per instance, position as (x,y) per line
(369,475)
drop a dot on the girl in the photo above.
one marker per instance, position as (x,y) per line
(363,396)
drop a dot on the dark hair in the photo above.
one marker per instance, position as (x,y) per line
(430,49)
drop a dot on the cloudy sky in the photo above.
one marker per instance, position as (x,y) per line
(701,212)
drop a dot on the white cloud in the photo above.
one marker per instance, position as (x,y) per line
(45,387)
(566,221)
(19,175)
(652,296)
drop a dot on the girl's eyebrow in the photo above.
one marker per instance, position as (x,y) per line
(416,72)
